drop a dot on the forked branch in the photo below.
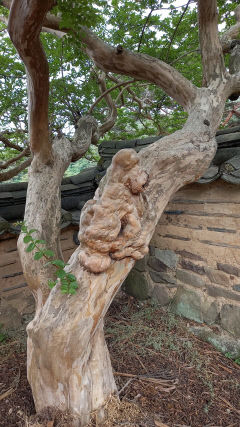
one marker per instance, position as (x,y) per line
(24,26)
(143,67)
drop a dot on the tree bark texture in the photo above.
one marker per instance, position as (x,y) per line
(68,361)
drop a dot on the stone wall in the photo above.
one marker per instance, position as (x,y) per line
(193,264)
(194,257)
(16,301)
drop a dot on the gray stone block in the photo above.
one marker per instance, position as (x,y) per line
(187,303)
(190,278)
(136,285)
(210,313)
(194,305)
(65,216)
(190,255)
(223,342)
(140,264)
(160,294)
(236,288)
(69,203)
(12,212)
(167,257)
(229,269)
(216,291)
(230,319)
(217,276)
(9,316)
(162,278)
(151,250)
(188,265)
(156,264)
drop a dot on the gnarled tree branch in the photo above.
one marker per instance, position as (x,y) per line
(211,49)
(143,67)
(24,26)
(25,152)
(4,176)
(10,144)
(232,33)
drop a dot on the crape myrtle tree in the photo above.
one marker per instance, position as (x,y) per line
(68,362)
(142,108)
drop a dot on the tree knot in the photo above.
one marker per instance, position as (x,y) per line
(110,223)
(119,49)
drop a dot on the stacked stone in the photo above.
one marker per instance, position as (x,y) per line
(185,281)
(154,276)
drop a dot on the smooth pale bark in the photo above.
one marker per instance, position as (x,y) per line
(68,362)
(43,205)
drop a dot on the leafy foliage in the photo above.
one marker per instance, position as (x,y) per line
(166,29)
(68,281)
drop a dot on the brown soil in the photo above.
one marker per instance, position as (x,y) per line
(165,375)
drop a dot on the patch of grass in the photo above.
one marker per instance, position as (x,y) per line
(230,356)
(150,327)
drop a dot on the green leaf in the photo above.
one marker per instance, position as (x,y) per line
(38,255)
(32,230)
(58,263)
(30,247)
(24,229)
(27,239)
(61,274)
(71,277)
(51,284)
(42,242)
(48,253)
(74,285)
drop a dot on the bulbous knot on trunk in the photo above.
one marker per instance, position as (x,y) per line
(110,224)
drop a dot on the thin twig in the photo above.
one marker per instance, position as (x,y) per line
(176,28)
(125,386)
(106,92)
(144,27)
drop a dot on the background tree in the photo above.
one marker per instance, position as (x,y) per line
(68,361)
(157,28)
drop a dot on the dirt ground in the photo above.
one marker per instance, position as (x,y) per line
(166,377)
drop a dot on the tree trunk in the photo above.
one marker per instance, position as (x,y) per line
(72,376)
(68,361)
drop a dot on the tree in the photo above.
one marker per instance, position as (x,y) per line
(68,361)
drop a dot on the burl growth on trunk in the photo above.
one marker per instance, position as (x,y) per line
(110,224)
